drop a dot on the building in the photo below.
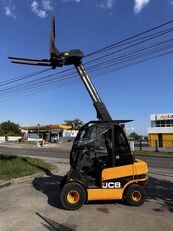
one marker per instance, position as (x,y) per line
(50,133)
(161,130)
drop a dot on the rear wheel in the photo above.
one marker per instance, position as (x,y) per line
(135,195)
(72,196)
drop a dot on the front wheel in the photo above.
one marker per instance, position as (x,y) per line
(72,196)
(135,195)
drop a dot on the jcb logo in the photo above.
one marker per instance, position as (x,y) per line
(111,185)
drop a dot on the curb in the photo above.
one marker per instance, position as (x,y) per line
(23,179)
(30,146)
(152,155)
(19,180)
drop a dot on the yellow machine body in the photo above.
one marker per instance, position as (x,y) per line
(133,173)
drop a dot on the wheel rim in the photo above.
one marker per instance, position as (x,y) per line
(136,196)
(73,197)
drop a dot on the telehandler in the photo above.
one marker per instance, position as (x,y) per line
(102,165)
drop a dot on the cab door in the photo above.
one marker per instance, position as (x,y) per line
(121,171)
(120,148)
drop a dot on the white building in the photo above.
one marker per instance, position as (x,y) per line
(161,130)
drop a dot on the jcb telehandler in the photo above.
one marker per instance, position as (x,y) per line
(102,165)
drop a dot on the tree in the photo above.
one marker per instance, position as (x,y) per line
(135,136)
(9,128)
(76,124)
(1,131)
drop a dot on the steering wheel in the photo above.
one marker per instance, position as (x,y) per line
(98,162)
(91,150)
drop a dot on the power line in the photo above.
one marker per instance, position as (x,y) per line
(121,60)
(13,80)
(158,47)
(114,45)
(148,38)
(129,38)
(33,81)
(103,63)
(103,70)
(100,64)
(38,91)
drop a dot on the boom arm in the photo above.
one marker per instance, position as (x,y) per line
(102,112)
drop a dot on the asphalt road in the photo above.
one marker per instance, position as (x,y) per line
(160,165)
(35,151)
(34,205)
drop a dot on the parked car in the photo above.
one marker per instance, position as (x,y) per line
(23,139)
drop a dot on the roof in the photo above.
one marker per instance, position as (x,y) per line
(49,126)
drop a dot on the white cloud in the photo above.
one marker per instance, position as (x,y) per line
(103,4)
(106,4)
(41,9)
(9,8)
(37,11)
(171,2)
(139,5)
(47,5)
(77,1)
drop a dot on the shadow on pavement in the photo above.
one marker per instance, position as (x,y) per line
(50,186)
(53,225)
(162,192)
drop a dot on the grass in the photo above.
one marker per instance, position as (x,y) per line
(12,166)
(153,153)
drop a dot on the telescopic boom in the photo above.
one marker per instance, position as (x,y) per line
(102,112)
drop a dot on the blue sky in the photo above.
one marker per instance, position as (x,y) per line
(134,92)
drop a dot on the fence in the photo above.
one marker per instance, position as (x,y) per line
(9,138)
(154,145)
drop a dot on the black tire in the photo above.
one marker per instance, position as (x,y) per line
(135,195)
(72,196)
